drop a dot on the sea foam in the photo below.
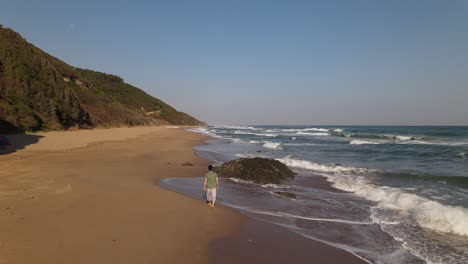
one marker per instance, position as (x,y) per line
(316,129)
(240,132)
(305,129)
(403,137)
(309,165)
(312,133)
(267,144)
(239,127)
(204,131)
(272,145)
(363,142)
(427,213)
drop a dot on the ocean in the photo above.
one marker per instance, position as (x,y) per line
(386,194)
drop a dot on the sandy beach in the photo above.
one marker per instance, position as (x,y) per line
(91,196)
(99,203)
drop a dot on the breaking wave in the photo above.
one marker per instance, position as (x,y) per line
(204,131)
(305,129)
(272,145)
(427,213)
(312,133)
(309,165)
(379,136)
(239,127)
(239,132)
(363,142)
(441,143)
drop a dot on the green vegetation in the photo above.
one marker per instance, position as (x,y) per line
(40,92)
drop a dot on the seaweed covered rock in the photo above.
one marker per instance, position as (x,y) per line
(288,195)
(258,170)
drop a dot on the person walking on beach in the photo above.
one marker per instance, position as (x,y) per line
(210,185)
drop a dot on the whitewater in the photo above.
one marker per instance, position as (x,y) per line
(410,182)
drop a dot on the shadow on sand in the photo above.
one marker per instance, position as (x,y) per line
(13,139)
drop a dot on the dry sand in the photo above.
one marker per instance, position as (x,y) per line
(100,204)
(90,196)
(64,140)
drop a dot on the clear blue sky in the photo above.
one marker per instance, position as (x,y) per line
(270,62)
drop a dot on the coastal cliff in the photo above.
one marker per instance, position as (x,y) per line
(41,92)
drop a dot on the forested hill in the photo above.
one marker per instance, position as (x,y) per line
(41,92)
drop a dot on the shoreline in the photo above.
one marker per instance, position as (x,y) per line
(258,241)
(263,242)
(98,203)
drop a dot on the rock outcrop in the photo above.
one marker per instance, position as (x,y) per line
(258,170)
(288,195)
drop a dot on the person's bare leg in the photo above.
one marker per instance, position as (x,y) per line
(213,197)
(208,198)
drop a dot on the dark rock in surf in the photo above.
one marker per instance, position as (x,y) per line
(286,195)
(258,170)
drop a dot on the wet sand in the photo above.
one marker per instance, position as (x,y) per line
(92,197)
(262,242)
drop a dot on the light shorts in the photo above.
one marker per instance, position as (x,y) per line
(211,194)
